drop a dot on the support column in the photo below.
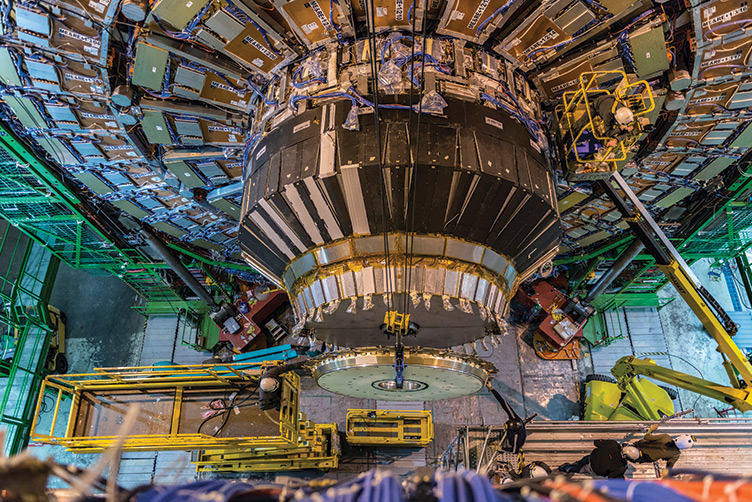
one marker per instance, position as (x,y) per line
(617,268)
(177,267)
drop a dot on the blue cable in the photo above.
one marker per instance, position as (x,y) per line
(726,25)
(409,15)
(503,8)
(331,20)
(298,73)
(389,42)
(626,50)
(192,25)
(179,35)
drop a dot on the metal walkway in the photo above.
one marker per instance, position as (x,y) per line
(723,445)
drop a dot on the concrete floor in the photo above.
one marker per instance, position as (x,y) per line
(693,350)
(104,331)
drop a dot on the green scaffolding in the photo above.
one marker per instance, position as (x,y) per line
(48,224)
(27,273)
(725,234)
(35,201)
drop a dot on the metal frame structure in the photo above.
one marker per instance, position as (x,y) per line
(320,449)
(573,101)
(108,383)
(25,286)
(388,427)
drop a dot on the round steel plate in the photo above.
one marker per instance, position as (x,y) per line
(429,374)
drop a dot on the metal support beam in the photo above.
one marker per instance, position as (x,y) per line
(177,267)
(617,268)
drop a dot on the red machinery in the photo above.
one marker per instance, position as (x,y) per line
(247,337)
(562,319)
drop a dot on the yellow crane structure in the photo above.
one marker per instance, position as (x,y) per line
(634,398)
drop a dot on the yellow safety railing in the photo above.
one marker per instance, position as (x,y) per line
(636,94)
(389,427)
(170,397)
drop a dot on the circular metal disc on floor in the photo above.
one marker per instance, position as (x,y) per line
(429,374)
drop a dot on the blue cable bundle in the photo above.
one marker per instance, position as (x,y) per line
(372,486)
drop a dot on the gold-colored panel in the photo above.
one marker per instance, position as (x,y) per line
(221,134)
(690,136)
(217,90)
(540,34)
(466,17)
(313,18)
(713,99)
(250,46)
(561,82)
(665,162)
(722,17)
(726,60)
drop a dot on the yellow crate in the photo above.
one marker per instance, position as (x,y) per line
(389,428)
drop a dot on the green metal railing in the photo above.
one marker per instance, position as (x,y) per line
(35,201)
(26,279)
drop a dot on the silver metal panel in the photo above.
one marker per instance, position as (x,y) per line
(499,306)
(328,143)
(347,284)
(330,288)
(324,211)
(289,278)
(481,292)
(416,279)
(370,245)
(301,304)
(464,251)
(369,283)
(493,291)
(282,224)
(270,234)
(387,279)
(432,246)
(303,265)
(378,281)
(333,254)
(451,282)
(434,281)
(494,261)
(225,25)
(308,298)
(354,200)
(556,7)
(297,205)
(469,283)
(317,290)
(510,276)
(574,18)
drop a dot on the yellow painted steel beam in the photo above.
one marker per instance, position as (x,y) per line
(173,379)
(628,368)
(726,345)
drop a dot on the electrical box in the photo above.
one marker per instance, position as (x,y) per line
(150,66)
(649,52)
